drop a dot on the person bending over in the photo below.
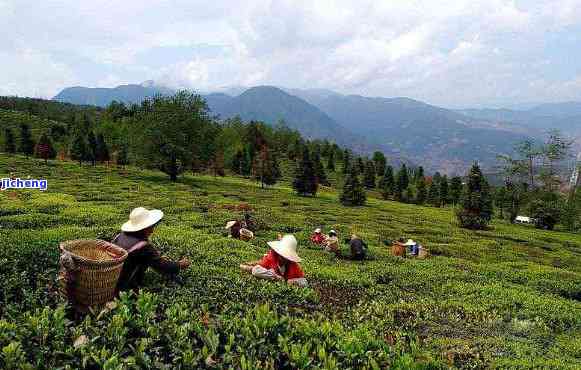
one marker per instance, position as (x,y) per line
(134,238)
(280,263)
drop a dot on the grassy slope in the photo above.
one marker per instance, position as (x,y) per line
(509,296)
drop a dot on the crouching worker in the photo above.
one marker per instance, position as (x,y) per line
(280,263)
(134,238)
(358,248)
(332,243)
(318,238)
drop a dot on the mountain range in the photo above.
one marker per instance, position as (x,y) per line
(404,129)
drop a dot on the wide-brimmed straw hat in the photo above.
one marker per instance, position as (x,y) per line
(286,247)
(141,218)
(332,232)
(410,242)
(229,224)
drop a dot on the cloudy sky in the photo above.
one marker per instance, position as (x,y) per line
(449,52)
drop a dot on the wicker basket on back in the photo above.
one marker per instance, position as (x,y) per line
(246,234)
(97,266)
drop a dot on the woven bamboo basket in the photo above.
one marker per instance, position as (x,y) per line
(98,265)
(246,235)
(423,253)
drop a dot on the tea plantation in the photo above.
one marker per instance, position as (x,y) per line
(509,297)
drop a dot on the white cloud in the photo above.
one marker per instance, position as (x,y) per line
(449,52)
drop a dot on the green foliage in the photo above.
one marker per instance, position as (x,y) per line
(26,145)
(455,190)
(353,193)
(476,211)
(101,149)
(9,143)
(331,161)
(380,162)
(504,298)
(369,175)
(320,169)
(305,182)
(79,149)
(387,183)
(546,209)
(401,182)
(421,194)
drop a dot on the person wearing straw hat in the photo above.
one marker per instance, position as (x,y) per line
(332,243)
(280,263)
(234,228)
(318,238)
(134,238)
(413,247)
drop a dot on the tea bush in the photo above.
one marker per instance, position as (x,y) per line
(507,297)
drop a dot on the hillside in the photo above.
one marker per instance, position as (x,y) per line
(505,298)
(438,138)
(102,97)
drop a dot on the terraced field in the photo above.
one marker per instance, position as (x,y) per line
(507,297)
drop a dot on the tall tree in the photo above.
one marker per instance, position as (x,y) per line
(169,126)
(369,175)
(102,150)
(91,148)
(360,165)
(44,148)
(319,169)
(346,161)
(380,162)
(268,172)
(123,155)
(434,194)
(420,174)
(421,193)
(26,143)
(556,149)
(529,151)
(455,189)
(387,183)
(305,182)
(444,191)
(353,193)
(331,161)
(9,142)
(402,182)
(477,208)
(246,164)
(237,162)
(79,148)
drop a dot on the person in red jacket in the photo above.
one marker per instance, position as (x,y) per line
(317,238)
(280,263)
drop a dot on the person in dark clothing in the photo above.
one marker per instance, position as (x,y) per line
(234,228)
(358,248)
(134,238)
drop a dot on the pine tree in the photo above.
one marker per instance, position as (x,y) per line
(402,182)
(379,162)
(346,161)
(44,148)
(331,161)
(455,190)
(369,175)
(477,208)
(420,174)
(319,169)
(91,148)
(360,165)
(387,183)
(237,162)
(408,195)
(434,194)
(353,193)
(102,150)
(26,143)
(421,194)
(79,148)
(305,182)
(123,155)
(9,144)
(246,163)
(268,172)
(444,193)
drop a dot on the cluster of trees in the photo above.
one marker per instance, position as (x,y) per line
(534,186)
(24,144)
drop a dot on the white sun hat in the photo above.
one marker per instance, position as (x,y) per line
(141,218)
(318,230)
(286,247)
(410,242)
(230,224)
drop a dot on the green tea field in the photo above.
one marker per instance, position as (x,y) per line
(508,297)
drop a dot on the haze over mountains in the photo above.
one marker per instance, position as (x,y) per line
(438,138)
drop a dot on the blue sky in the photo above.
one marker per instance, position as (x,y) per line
(450,52)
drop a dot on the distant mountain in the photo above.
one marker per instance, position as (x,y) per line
(562,116)
(439,138)
(103,96)
(271,105)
